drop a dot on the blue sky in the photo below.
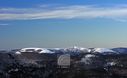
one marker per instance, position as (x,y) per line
(63,23)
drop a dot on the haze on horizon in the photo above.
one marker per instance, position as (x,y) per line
(62,23)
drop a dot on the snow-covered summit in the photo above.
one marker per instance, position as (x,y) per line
(38,50)
(103,51)
(120,50)
(77,49)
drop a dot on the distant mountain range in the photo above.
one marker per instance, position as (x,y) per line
(25,60)
(72,50)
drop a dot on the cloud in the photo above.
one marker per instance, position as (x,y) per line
(120,20)
(3,24)
(62,12)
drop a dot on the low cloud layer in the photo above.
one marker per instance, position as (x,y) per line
(68,12)
(3,24)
